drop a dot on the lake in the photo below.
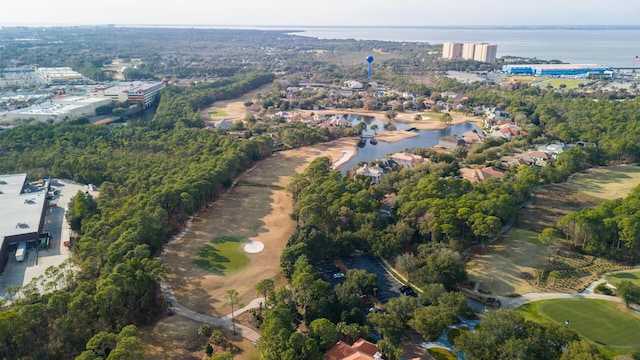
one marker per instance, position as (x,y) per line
(425,139)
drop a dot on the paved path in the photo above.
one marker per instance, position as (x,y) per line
(224,322)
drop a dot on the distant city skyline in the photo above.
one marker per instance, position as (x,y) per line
(319,13)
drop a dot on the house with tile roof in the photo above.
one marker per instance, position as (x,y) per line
(360,350)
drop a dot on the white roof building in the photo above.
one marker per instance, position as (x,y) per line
(58,109)
(21,211)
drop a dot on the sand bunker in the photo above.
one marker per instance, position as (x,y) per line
(253,247)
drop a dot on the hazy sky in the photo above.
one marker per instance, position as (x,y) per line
(321,12)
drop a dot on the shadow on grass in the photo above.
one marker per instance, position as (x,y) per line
(625,276)
(221,255)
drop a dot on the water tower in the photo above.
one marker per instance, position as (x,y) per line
(369,61)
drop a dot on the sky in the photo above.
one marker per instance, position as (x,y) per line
(320,12)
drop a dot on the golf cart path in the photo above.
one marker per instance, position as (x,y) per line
(224,322)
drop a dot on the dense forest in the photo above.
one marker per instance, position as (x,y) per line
(151,177)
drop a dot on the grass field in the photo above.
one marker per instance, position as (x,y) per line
(218,112)
(441,354)
(616,278)
(258,210)
(501,268)
(607,182)
(222,255)
(544,82)
(556,83)
(598,321)
(431,116)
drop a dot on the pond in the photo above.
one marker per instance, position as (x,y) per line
(425,139)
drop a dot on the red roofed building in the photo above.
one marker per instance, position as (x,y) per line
(477,175)
(360,350)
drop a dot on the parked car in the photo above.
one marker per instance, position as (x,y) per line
(338,275)
(407,290)
(363,297)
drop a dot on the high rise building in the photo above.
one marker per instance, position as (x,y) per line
(485,53)
(451,50)
(468,51)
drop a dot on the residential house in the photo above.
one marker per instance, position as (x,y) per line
(452,95)
(510,160)
(449,142)
(554,149)
(473,137)
(360,350)
(406,159)
(374,172)
(478,175)
(428,104)
(223,124)
(538,158)
(353,84)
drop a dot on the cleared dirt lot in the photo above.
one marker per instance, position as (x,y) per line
(256,209)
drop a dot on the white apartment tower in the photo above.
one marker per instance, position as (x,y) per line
(451,50)
(468,51)
(485,53)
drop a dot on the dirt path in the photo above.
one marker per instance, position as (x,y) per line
(258,210)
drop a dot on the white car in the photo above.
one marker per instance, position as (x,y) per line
(338,275)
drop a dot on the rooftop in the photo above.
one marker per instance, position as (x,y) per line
(20,213)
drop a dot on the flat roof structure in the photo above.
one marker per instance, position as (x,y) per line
(60,108)
(59,75)
(21,211)
(555,69)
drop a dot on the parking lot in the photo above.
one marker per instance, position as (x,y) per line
(388,286)
(326,270)
(37,260)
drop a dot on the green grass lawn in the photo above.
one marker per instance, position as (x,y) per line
(615,279)
(431,116)
(608,182)
(598,321)
(218,113)
(222,255)
(544,82)
(441,354)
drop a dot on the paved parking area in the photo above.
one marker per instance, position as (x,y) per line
(388,286)
(326,270)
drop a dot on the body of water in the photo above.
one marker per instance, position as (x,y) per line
(425,139)
(612,46)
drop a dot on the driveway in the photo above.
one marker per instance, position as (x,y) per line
(388,286)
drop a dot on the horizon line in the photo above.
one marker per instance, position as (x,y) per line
(568,26)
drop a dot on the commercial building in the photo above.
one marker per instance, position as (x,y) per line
(558,70)
(451,50)
(60,76)
(22,208)
(470,51)
(58,109)
(145,94)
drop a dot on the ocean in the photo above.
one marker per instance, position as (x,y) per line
(602,45)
